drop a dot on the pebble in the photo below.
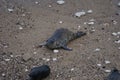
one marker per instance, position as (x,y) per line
(54,59)
(11,56)
(79,27)
(107,62)
(60,2)
(3,74)
(118,4)
(118,47)
(49,6)
(20,28)
(117,41)
(55,51)
(34,52)
(72,69)
(97,49)
(114,34)
(27,56)
(118,33)
(23,15)
(47,60)
(10,10)
(90,11)
(60,22)
(36,2)
(79,14)
(99,65)
(26,70)
(7,59)
(91,23)
(108,71)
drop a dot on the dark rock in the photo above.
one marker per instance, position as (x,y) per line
(39,73)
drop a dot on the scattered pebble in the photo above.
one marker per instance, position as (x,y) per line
(89,11)
(118,4)
(114,22)
(3,74)
(108,71)
(49,6)
(107,62)
(11,55)
(26,70)
(72,69)
(118,33)
(91,23)
(47,60)
(23,15)
(97,49)
(36,2)
(60,22)
(79,14)
(92,20)
(7,59)
(20,28)
(10,10)
(55,51)
(117,41)
(114,34)
(27,56)
(60,2)
(54,59)
(118,47)
(34,52)
(79,27)
(99,65)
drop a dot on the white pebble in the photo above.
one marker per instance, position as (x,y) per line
(26,70)
(11,55)
(108,71)
(107,62)
(118,47)
(118,4)
(114,34)
(118,33)
(20,28)
(36,2)
(60,22)
(55,51)
(54,59)
(118,41)
(97,49)
(23,15)
(91,23)
(92,20)
(47,60)
(7,59)
(10,10)
(60,2)
(3,74)
(89,11)
(79,14)
(34,52)
(99,65)
(72,69)
(49,6)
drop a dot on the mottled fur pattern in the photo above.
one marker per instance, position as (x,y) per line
(61,38)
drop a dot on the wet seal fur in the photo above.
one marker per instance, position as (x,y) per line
(61,38)
(114,75)
(39,73)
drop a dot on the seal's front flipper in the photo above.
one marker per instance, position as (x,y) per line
(43,44)
(66,48)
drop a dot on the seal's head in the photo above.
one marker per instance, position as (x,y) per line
(79,34)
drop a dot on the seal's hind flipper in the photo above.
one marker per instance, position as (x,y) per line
(66,48)
(43,44)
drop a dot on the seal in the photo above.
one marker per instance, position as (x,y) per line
(114,75)
(39,73)
(60,38)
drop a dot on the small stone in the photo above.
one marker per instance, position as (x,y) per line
(60,2)
(91,23)
(26,56)
(118,4)
(11,55)
(79,14)
(118,47)
(7,59)
(108,71)
(26,70)
(60,22)
(99,65)
(114,34)
(89,11)
(72,69)
(117,41)
(97,49)
(107,62)
(36,2)
(118,33)
(23,15)
(20,28)
(47,60)
(10,10)
(54,59)
(49,6)
(79,27)
(55,51)
(34,52)
(3,74)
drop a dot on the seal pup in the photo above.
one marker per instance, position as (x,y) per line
(114,75)
(39,73)
(60,38)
